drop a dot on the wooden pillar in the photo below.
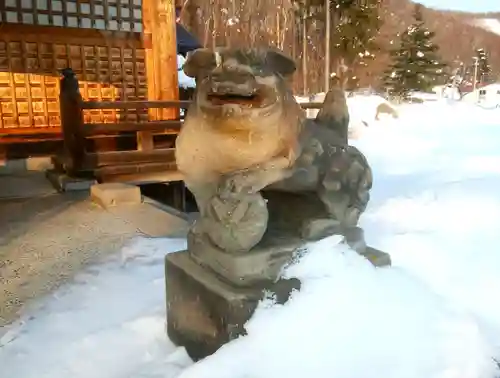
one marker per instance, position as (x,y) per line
(160,45)
(70,101)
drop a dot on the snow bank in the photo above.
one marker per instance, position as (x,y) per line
(109,323)
(362,108)
(352,320)
(425,96)
(435,203)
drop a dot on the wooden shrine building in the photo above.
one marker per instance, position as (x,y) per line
(93,74)
(120,50)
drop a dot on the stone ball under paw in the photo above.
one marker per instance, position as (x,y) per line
(236,225)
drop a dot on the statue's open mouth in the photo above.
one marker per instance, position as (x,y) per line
(243,99)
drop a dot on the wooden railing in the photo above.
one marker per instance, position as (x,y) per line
(146,163)
(118,165)
(311,105)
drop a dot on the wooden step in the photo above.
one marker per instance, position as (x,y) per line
(143,178)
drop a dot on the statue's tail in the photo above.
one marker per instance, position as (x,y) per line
(334,113)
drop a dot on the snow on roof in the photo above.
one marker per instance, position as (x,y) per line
(491,86)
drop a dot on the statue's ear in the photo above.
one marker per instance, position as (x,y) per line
(280,63)
(199,61)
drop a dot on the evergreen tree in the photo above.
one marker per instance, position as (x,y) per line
(354,27)
(416,65)
(483,69)
(354,38)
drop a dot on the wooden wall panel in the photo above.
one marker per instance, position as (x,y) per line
(108,66)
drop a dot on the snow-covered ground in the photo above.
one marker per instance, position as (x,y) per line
(435,207)
(490,24)
(184,80)
(364,106)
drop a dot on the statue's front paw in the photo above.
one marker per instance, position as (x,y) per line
(235,185)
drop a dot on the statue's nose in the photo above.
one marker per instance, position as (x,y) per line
(232,77)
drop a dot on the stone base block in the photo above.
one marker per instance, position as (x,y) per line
(377,257)
(64,183)
(114,194)
(15,166)
(204,311)
(263,263)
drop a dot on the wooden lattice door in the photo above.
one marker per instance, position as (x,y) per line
(99,40)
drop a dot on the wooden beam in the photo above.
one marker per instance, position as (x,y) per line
(161,60)
(77,36)
(100,159)
(147,34)
(31,139)
(135,104)
(178,104)
(132,169)
(145,140)
(167,127)
(30,131)
(165,51)
(311,105)
(144,178)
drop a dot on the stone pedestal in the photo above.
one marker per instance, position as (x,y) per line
(211,297)
(262,264)
(204,311)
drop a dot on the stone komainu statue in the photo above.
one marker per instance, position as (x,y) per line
(246,144)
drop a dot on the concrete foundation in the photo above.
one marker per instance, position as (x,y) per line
(64,183)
